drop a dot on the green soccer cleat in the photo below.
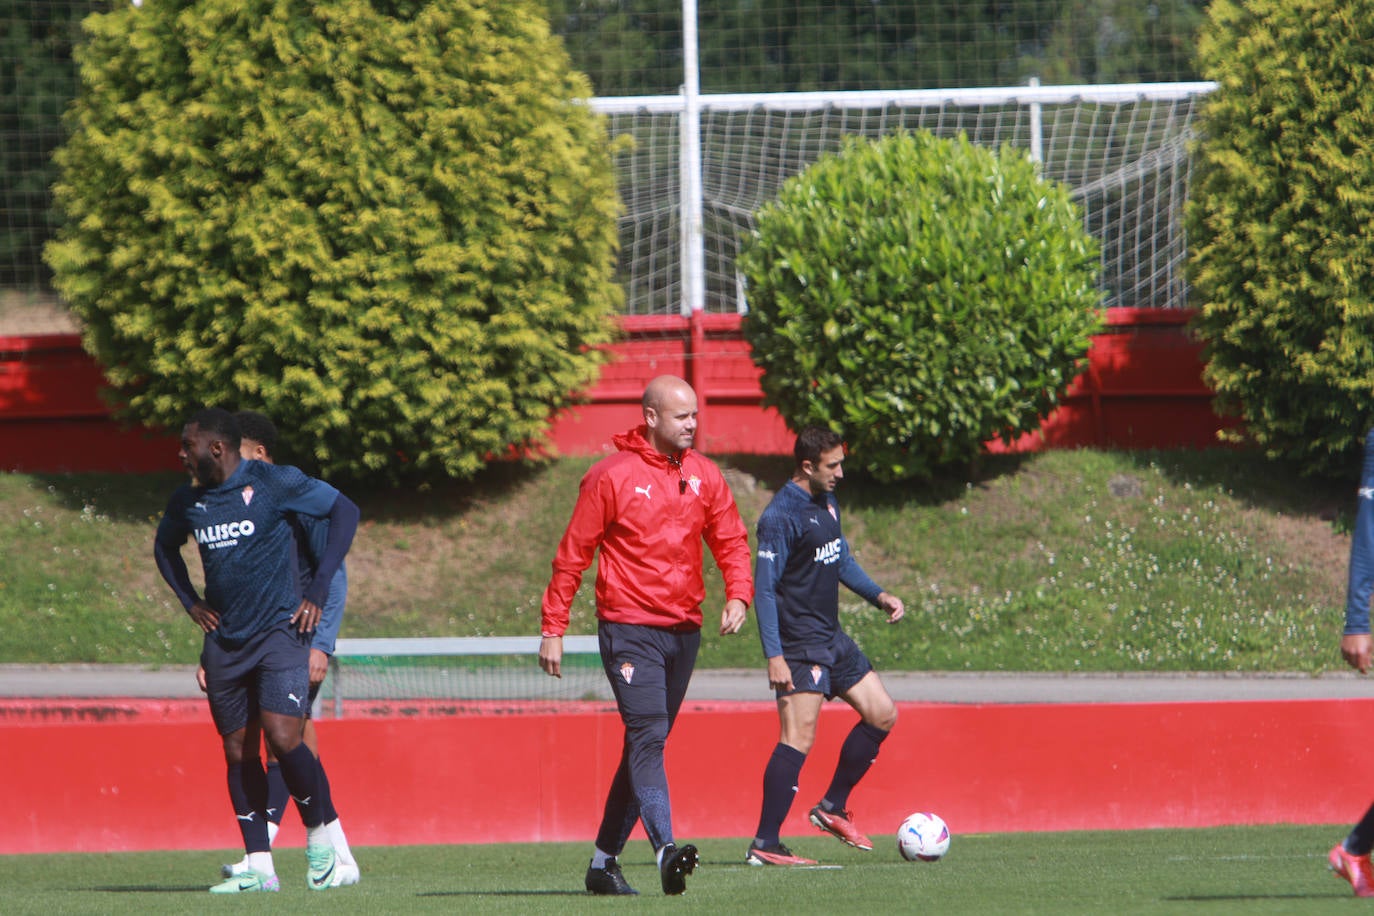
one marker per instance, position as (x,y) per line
(320,857)
(247,883)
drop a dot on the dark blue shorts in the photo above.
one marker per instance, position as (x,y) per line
(270,672)
(831,672)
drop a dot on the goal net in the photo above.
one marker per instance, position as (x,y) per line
(446,675)
(1123,151)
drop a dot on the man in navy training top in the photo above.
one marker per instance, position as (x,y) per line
(643,512)
(802,560)
(257,625)
(258,443)
(1350,858)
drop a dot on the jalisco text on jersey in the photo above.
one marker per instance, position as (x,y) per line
(213,534)
(829,552)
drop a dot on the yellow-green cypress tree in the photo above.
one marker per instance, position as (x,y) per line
(388,225)
(1281,224)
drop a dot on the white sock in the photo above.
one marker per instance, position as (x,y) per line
(261,862)
(317,836)
(336,836)
(600,858)
(272,832)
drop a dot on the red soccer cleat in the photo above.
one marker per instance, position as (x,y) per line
(839,825)
(774,855)
(1353,868)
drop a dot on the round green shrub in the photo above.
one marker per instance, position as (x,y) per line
(388,225)
(921,296)
(1279,225)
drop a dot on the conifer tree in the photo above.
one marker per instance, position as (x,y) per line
(1281,224)
(389,224)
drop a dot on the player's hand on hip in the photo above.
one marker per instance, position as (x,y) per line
(551,655)
(206,617)
(307,616)
(732,618)
(1355,649)
(893,605)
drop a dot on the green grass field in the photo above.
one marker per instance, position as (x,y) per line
(1271,869)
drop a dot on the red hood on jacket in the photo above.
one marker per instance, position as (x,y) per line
(637,440)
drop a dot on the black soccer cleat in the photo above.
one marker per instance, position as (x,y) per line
(608,881)
(677,865)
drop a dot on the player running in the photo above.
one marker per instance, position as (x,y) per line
(802,560)
(257,625)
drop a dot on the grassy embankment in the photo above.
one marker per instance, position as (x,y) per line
(1064,561)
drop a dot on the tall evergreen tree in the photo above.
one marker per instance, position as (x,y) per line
(388,224)
(1281,224)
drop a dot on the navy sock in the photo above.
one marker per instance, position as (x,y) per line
(779,788)
(248,794)
(1361,839)
(277,794)
(301,769)
(857,754)
(326,796)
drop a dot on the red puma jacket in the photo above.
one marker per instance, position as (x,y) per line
(649,517)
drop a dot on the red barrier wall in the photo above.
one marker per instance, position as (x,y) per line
(1143,388)
(133,785)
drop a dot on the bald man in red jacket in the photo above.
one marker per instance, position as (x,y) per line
(647,508)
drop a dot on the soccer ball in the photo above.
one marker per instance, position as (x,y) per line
(923,837)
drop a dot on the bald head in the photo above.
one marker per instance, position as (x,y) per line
(670,413)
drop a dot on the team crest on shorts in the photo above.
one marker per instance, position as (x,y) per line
(815,674)
(627,671)
(247,495)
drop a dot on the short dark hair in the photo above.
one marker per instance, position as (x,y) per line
(812,441)
(220,423)
(257,426)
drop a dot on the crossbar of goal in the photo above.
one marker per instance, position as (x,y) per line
(502,650)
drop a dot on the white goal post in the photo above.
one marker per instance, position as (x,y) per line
(700,166)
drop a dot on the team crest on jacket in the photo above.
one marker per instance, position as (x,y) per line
(627,671)
(815,674)
(247,495)
(833,514)
(695,483)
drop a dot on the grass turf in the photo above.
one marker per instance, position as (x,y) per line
(1263,869)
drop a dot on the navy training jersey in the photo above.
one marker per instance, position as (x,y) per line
(247,548)
(802,560)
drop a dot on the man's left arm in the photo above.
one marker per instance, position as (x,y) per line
(331,619)
(317,499)
(343,524)
(728,540)
(854,578)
